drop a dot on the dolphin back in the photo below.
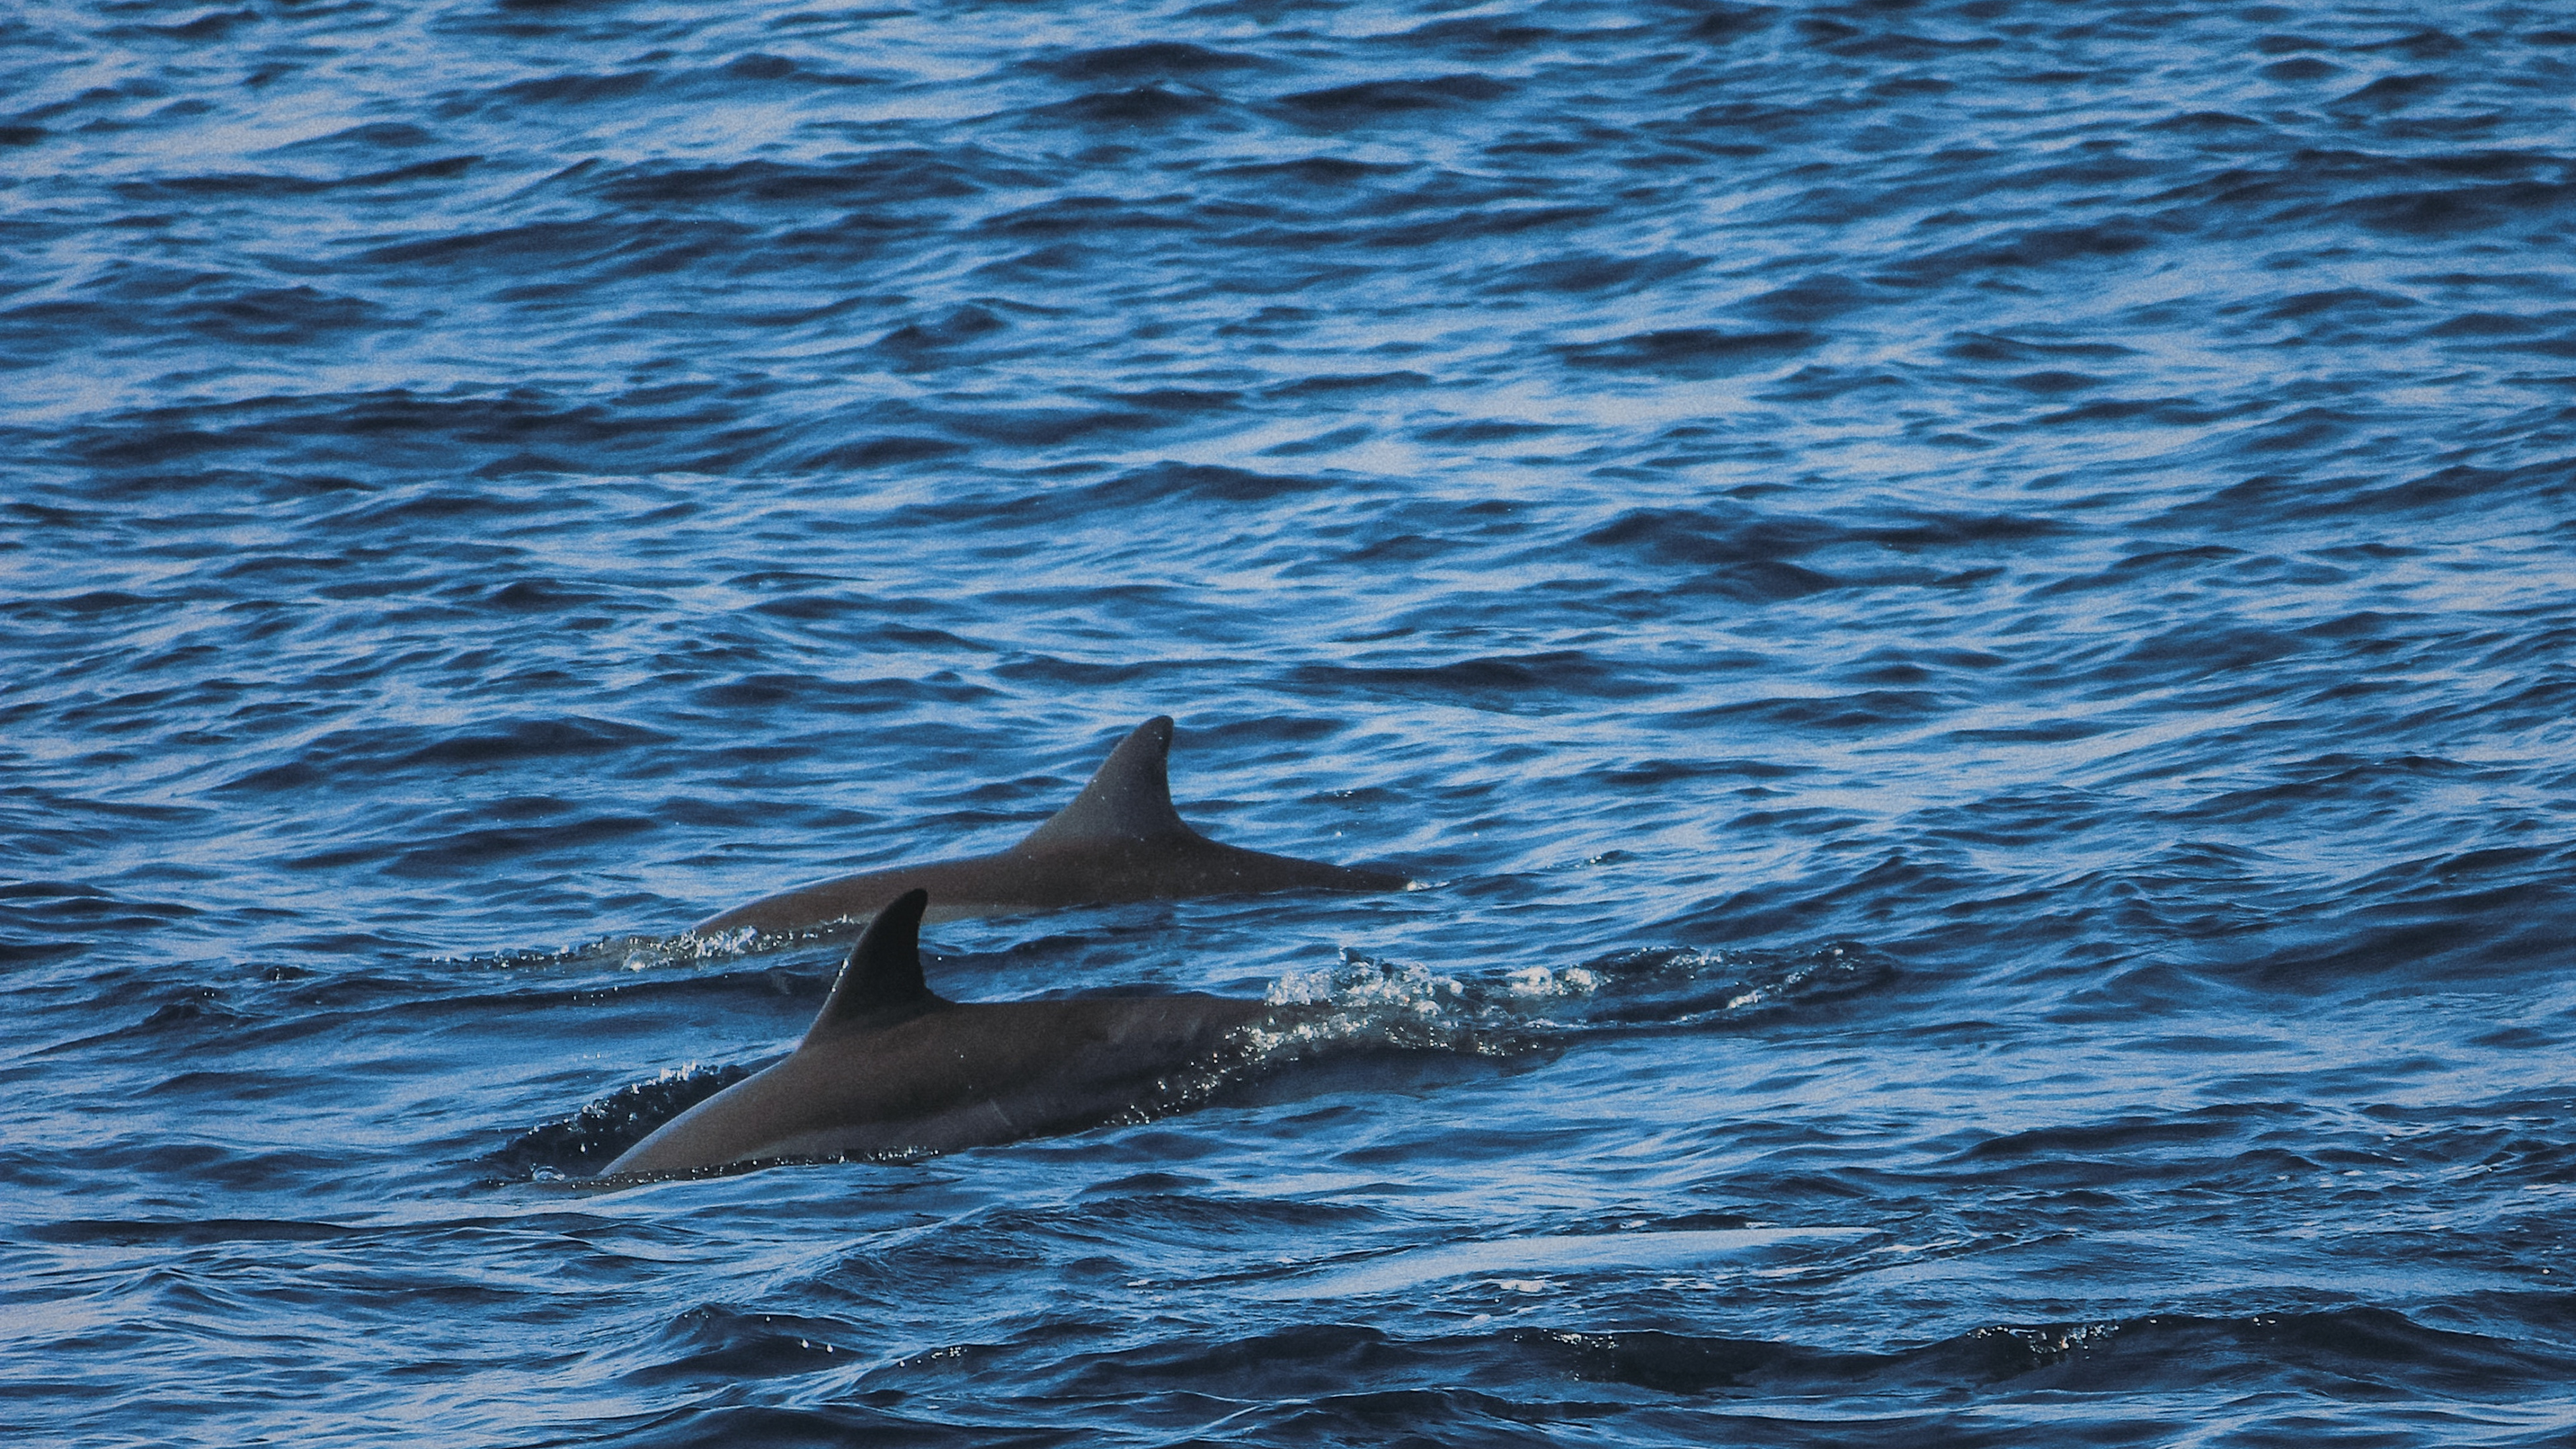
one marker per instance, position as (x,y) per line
(889,1066)
(1120,840)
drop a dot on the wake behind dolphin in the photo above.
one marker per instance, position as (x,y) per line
(1120,840)
(890,1067)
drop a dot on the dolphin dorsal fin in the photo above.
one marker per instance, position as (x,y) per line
(1129,799)
(881,982)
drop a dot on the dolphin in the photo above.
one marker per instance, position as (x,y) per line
(1120,840)
(889,1067)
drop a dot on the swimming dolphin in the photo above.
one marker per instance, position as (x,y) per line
(1120,840)
(890,1067)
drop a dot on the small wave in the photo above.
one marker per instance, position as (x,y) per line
(626,953)
(1517,1264)
(1539,1008)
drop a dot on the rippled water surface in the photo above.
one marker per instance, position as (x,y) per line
(1969,609)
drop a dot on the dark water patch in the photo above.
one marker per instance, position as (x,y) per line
(810,695)
(1140,106)
(1592,274)
(2053,382)
(2302,68)
(2205,123)
(2482,325)
(539,596)
(1713,536)
(760,68)
(1923,532)
(2114,1151)
(1085,216)
(1190,401)
(196,1015)
(1761,582)
(275,317)
(712,1341)
(574,736)
(2360,300)
(1727,24)
(72,900)
(1663,772)
(1508,1382)
(1330,385)
(2463,210)
(1484,430)
(1542,684)
(1148,60)
(369,137)
(891,451)
(340,756)
(1047,669)
(1339,175)
(1813,300)
(2393,92)
(917,340)
(263,185)
(891,177)
(1689,352)
(576,90)
(2168,412)
(1478,223)
(94,604)
(2354,1349)
(436,435)
(617,248)
(454,848)
(1160,484)
(840,1424)
(2476,916)
(1367,101)
(2196,651)
(2446,488)
(2032,249)
(212,25)
(191,1233)
(1986,347)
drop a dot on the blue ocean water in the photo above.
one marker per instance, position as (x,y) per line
(1968,608)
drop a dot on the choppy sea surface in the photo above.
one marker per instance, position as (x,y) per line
(1969,610)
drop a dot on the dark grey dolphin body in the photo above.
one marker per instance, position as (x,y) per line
(890,1067)
(1120,840)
